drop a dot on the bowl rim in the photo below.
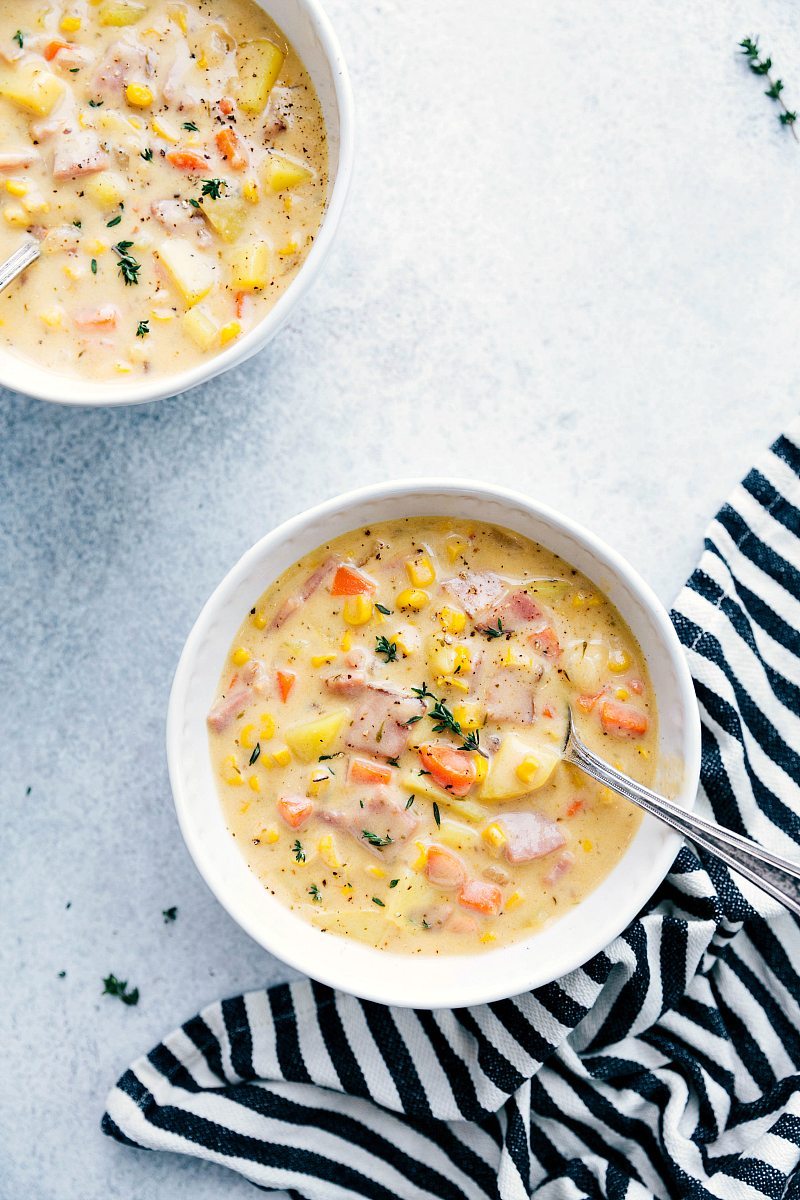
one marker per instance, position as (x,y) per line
(487,986)
(49,386)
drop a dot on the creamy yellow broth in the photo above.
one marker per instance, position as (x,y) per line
(464,636)
(171,159)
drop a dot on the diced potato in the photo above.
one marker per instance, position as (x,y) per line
(585,662)
(201,327)
(521,765)
(259,63)
(226,216)
(282,173)
(250,267)
(423,786)
(121,12)
(32,88)
(313,738)
(108,189)
(192,274)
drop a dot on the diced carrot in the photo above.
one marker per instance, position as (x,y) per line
(481,897)
(574,807)
(184,160)
(361,770)
(443,868)
(52,48)
(548,712)
(452,769)
(545,641)
(226,106)
(105,316)
(295,810)
(349,581)
(586,702)
(231,147)
(285,683)
(239,301)
(622,720)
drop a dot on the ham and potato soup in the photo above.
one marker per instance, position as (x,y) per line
(171,159)
(388,729)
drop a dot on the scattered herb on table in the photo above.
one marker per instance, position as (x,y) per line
(169,914)
(256,754)
(62,974)
(142,329)
(387,612)
(315,893)
(763,67)
(298,852)
(384,646)
(119,987)
(375,839)
(213,188)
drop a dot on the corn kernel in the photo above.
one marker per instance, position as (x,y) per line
(15,215)
(494,836)
(246,737)
(586,845)
(165,129)
(585,600)
(488,937)
(318,782)
(267,726)
(35,202)
(96,247)
(74,271)
(422,857)
(270,836)
(412,598)
(230,331)
(376,872)
(70,24)
(527,769)
(321,660)
(420,571)
(254,783)
(123,367)
(481,767)
(16,187)
(347,641)
(52,317)
(622,694)
(455,546)
(452,620)
(357,610)
(163,315)
(644,753)
(250,191)
(407,640)
(453,681)
(287,250)
(234,780)
(468,715)
(139,95)
(606,795)
(463,660)
(282,756)
(514,900)
(618,661)
(259,619)
(240,656)
(243,808)
(287,203)
(327,852)
(347,889)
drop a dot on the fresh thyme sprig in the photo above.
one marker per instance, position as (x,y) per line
(129,267)
(491,632)
(763,67)
(384,646)
(445,722)
(298,852)
(375,839)
(213,188)
(315,894)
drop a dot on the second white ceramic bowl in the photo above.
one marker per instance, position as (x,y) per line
(423,981)
(307,27)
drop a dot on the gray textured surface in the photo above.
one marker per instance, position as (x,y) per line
(569,264)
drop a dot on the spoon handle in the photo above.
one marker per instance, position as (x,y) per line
(780,877)
(16,263)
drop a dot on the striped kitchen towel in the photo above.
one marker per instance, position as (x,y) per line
(667,1066)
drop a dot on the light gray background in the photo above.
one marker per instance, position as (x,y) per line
(569,264)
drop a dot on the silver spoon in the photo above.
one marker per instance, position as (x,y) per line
(780,877)
(16,263)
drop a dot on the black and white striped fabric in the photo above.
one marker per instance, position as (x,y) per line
(668,1066)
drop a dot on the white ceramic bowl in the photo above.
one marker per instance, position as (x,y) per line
(423,981)
(308,29)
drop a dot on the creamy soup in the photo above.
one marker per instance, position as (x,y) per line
(388,729)
(171,159)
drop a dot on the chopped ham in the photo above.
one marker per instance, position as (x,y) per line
(509,696)
(381,816)
(460,922)
(105,316)
(545,642)
(518,610)
(46,128)
(380,725)
(13,160)
(478,594)
(125,61)
(563,863)
(178,216)
(78,153)
(296,601)
(353,675)
(529,835)
(253,679)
